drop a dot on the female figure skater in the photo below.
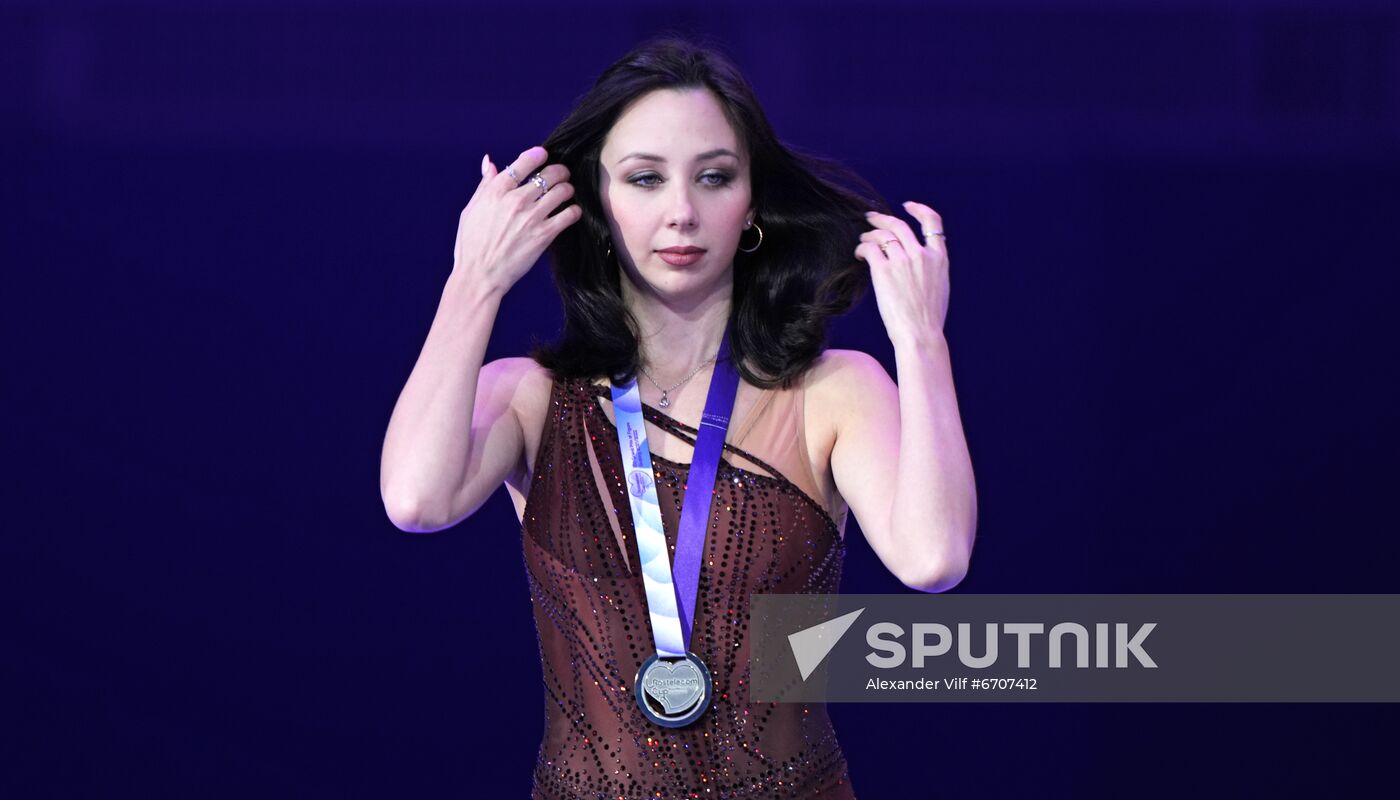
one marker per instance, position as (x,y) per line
(688,442)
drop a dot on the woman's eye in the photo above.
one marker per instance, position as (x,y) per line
(649,180)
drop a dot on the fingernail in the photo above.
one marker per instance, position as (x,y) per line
(484,161)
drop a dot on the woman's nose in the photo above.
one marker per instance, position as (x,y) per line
(682,211)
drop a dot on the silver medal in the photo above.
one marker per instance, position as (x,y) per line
(673,692)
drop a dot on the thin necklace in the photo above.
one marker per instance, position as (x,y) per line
(665,402)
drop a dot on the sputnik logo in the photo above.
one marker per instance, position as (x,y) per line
(810,646)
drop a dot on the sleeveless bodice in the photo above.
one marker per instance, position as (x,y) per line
(766,535)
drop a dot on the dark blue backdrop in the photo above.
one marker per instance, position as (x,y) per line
(226,226)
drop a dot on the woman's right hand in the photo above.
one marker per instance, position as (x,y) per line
(505,229)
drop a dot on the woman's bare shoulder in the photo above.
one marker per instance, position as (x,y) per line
(836,382)
(840,371)
(525,383)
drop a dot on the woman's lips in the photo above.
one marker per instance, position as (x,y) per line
(681,256)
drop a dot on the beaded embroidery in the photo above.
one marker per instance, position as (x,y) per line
(766,536)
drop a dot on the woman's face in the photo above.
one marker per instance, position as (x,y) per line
(673,174)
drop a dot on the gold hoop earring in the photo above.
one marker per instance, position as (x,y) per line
(756,244)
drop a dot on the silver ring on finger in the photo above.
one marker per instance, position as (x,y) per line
(885,244)
(928,234)
(510,170)
(541,182)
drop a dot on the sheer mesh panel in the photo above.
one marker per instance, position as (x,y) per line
(768,534)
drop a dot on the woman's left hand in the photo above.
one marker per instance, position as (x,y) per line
(910,278)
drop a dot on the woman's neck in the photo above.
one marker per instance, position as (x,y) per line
(675,339)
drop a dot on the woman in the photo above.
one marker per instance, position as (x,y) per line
(697,250)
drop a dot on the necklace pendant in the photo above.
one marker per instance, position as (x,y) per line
(664,403)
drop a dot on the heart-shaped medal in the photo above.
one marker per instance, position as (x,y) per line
(676,686)
(673,693)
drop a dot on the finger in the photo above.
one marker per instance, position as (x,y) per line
(929,220)
(877,236)
(556,173)
(887,244)
(526,163)
(555,197)
(884,240)
(566,217)
(553,174)
(871,254)
(898,227)
(488,171)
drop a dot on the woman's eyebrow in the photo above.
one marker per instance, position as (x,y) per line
(718,151)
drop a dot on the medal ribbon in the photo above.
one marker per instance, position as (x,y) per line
(671,604)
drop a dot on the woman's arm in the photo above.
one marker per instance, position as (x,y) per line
(447,449)
(901,462)
(900,458)
(454,434)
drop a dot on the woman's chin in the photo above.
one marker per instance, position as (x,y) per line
(682,283)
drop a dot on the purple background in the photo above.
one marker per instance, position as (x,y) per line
(226,226)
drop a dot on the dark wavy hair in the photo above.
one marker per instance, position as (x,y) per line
(811,210)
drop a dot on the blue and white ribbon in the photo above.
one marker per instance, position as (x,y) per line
(646,520)
(671,597)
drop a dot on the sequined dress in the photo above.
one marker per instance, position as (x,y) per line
(767,535)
